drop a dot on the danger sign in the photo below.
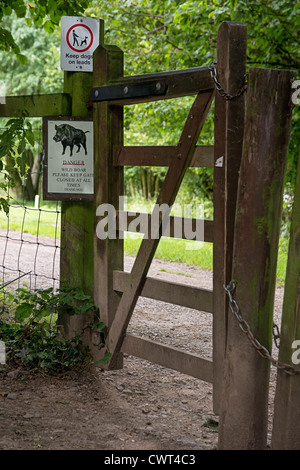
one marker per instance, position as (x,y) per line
(79,39)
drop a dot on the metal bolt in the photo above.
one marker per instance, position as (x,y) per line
(125,90)
(158,86)
(96,93)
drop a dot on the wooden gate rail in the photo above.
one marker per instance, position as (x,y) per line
(175,83)
(160,156)
(168,356)
(125,218)
(56,104)
(171,292)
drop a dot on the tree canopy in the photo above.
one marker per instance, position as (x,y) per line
(155,36)
(45,13)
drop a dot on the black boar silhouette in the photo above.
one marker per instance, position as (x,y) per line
(70,136)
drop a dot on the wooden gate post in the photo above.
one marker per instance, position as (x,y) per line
(244,408)
(108,133)
(286,426)
(229,131)
(77,226)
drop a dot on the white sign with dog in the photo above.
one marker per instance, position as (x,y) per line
(68,159)
(79,39)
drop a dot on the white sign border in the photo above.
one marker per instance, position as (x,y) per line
(64,195)
(80,61)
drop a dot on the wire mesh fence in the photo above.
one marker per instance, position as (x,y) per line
(30,230)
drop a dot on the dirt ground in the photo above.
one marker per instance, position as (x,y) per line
(141,407)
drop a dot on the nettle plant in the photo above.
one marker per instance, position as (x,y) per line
(33,338)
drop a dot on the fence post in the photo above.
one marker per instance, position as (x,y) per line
(286,425)
(108,132)
(229,131)
(77,226)
(244,407)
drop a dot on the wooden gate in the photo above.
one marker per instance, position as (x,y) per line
(117,292)
(249,158)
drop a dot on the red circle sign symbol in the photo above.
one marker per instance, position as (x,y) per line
(78,39)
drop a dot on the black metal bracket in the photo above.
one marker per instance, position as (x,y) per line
(129,90)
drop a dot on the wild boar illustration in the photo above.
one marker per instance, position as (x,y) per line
(70,136)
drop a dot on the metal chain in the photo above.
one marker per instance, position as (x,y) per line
(288,369)
(227,96)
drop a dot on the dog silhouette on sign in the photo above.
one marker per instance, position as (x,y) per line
(83,41)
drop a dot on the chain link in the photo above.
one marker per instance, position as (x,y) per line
(288,369)
(227,96)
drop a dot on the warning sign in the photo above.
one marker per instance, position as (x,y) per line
(68,158)
(79,39)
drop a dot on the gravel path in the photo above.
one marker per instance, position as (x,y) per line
(142,406)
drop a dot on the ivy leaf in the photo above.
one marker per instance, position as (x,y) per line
(7,10)
(30,136)
(4,205)
(105,359)
(83,308)
(22,59)
(38,21)
(49,26)
(99,326)
(81,296)
(23,311)
(20,8)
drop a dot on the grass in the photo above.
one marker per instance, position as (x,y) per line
(47,221)
(282,260)
(175,250)
(201,255)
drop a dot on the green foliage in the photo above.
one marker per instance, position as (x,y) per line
(32,337)
(14,142)
(24,217)
(41,13)
(14,139)
(174,34)
(38,345)
(41,73)
(44,303)
(155,36)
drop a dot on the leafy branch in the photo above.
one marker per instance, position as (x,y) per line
(13,152)
(34,339)
(41,13)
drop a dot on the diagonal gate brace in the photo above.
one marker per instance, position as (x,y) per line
(182,157)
